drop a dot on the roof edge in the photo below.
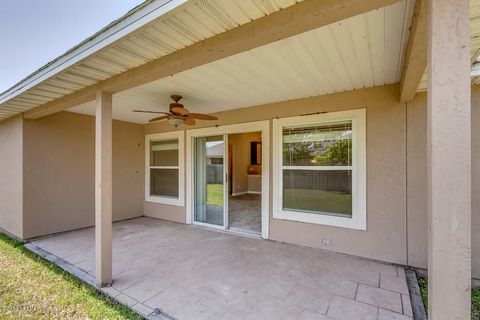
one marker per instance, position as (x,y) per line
(129,22)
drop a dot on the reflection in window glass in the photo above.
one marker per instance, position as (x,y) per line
(164,169)
(316,188)
(318,191)
(321,145)
(163,153)
(164,182)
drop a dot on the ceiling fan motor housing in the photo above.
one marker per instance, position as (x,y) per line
(178,114)
(176,97)
(175,105)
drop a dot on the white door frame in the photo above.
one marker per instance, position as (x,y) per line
(264,127)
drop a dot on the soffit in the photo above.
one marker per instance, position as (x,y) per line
(186,24)
(360,52)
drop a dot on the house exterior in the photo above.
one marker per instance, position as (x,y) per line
(306,74)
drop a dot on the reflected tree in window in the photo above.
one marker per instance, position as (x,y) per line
(337,154)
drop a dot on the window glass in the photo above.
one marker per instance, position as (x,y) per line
(314,147)
(164,168)
(164,182)
(318,191)
(321,145)
(163,153)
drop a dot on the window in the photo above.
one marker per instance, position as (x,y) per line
(319,163)
(164,172)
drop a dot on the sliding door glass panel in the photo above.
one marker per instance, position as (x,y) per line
(209,180)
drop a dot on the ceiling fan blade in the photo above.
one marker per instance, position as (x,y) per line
(201,116)
(179,110)
(158,119)
(148,111)
(189,121)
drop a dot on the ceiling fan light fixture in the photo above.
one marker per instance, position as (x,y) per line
(178,114)
(175,121)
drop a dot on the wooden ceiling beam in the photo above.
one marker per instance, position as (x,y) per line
(415,62)
(296,19)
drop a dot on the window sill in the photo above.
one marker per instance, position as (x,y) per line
(321,219)
(165,200)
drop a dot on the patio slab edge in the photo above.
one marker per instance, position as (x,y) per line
(418,308)
(142,310)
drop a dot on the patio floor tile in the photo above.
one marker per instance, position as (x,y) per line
(126,300)
(347,309)
(379,297)
(396,284)
(389,315)
(407,305)
(142,309)
(192,273)
(315,299)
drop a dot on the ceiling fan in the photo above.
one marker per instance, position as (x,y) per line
(178,114)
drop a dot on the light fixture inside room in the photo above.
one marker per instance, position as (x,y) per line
(176,121)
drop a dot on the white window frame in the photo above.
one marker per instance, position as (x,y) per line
(358,220)
(180,135)
(264,127)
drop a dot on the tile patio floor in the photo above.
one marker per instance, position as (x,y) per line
(193,273)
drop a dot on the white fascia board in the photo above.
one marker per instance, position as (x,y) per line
(130,22)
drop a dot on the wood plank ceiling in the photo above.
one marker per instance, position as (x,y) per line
(185,25)
(359,52)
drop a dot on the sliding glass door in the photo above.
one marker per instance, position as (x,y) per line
(209,180)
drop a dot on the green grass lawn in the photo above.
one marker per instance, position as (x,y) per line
(423,284)
(215,195)
(318,200)
(33,288)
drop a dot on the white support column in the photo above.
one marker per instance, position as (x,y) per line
(103,189)
(449,160)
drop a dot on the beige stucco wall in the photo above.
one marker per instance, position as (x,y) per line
(385,238)
(11,184)
(59,152)
(396,176)
(59,164)
(417,181)
(164,211)
(476,181)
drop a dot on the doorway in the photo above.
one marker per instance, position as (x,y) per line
(245,183)
(227,178)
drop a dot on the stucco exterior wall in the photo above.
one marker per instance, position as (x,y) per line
(417,181)
(476,182)
(396,176)
(58,175)
(385,238)
(417,219)
(11,172)
(59,180)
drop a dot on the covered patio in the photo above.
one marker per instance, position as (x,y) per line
(400,76)
(192,273)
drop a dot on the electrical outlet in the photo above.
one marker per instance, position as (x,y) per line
(326,242)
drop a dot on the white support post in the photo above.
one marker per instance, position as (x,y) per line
(449,160)
(103,189)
